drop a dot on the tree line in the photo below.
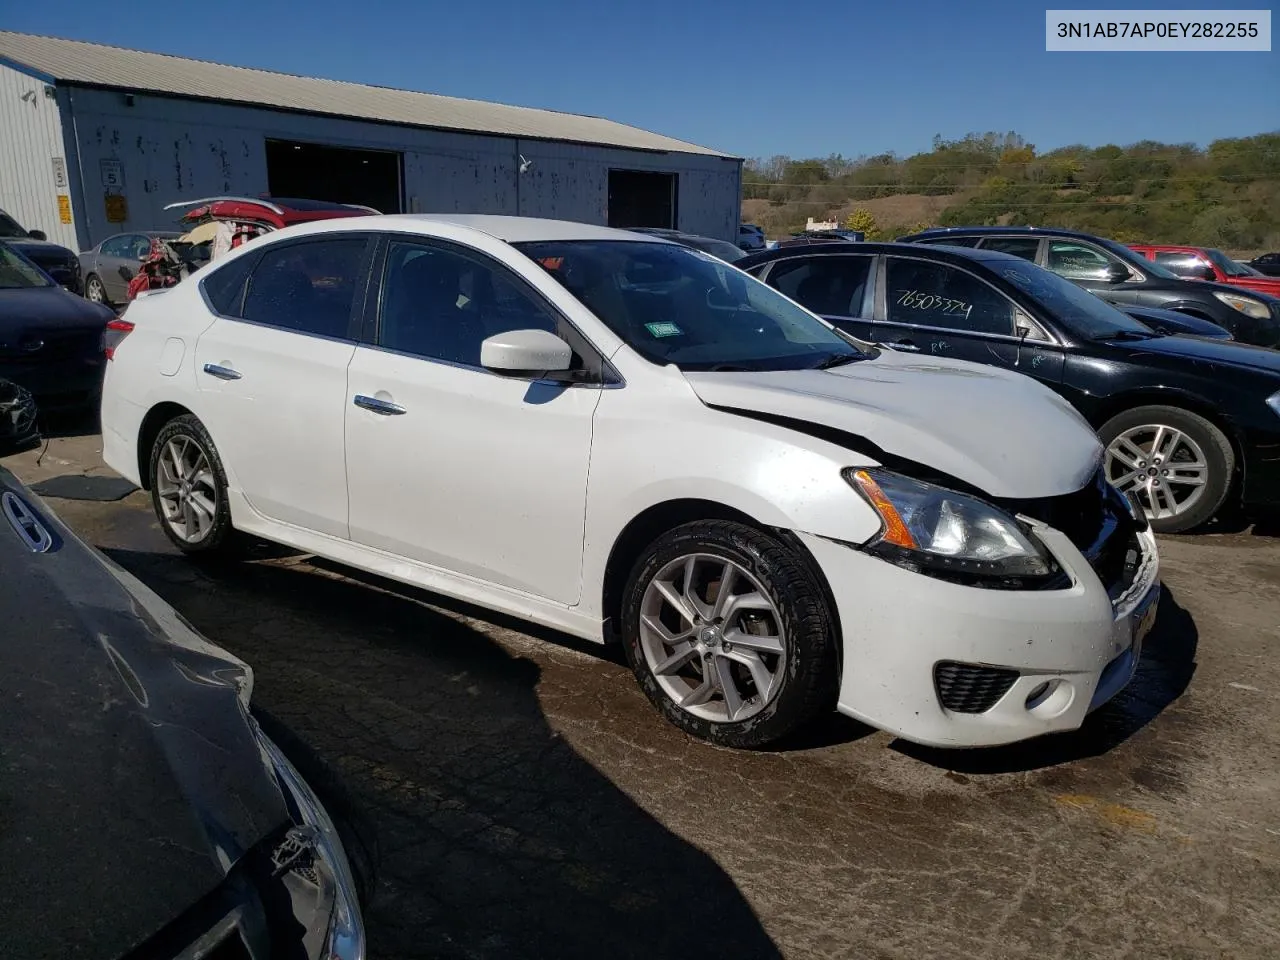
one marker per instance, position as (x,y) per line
(1224,195)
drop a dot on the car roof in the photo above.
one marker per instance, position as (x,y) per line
(509,229)
(999,231)
(1168,247)
(869,248)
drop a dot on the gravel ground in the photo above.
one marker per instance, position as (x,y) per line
(528,802)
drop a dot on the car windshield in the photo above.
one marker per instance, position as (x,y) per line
(680,306)
(1086,315)
(1226,264)
(1135,259)
(17,272)
(9,228)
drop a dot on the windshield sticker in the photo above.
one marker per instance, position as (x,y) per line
(664,329)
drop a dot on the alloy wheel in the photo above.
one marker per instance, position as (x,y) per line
(94,291)
(712,637)
(187,489)
(1164,466)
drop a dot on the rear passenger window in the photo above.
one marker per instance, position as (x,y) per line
(1024,247)
(224,285)
(832,286)
(307,287)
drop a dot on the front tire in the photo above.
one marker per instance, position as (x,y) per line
(189,488)
(94,291)
(1178,464)
(729,633)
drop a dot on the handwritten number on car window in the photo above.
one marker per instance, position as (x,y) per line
(915,300)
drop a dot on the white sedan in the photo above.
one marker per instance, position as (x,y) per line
(625,439)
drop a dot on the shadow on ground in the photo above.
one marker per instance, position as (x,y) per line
(1164,672)
(496,839)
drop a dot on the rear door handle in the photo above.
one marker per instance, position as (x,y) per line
(906,345)
(222,373)
(384,407)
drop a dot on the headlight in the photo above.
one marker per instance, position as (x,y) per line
(1273,402)
(938,531)
(345,937)
(1246,305)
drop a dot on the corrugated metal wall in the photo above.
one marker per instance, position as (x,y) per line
(33,169)
(166,149)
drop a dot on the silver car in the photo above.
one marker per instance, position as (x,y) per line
(108,267)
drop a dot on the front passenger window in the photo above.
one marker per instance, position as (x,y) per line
(441,304)
(921,293)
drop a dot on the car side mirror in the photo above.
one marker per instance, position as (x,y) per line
(37,235)
(1204,272)
(525,352)
(126,273)
(1118,273)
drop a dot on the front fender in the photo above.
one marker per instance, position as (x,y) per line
(649,451)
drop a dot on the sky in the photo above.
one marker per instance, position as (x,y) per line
(751,78)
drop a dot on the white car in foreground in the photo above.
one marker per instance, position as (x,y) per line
(620,437)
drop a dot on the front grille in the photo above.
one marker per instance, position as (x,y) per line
(970,688)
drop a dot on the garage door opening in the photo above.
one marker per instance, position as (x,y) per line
(639,198)
(313,171)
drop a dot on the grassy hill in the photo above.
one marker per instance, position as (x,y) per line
(1225,195)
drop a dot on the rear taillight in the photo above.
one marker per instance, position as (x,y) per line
(116,331)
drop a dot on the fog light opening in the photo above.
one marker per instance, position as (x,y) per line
(1037,696)
(1050,698)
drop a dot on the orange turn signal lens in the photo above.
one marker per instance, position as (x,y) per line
(895,530)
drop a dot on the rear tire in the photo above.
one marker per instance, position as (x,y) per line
(1178,463)
(189,489)
(94,291)
(739,667)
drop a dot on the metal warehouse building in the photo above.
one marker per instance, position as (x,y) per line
(95,140)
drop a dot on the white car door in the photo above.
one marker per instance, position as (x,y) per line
(272,374)
(480,474)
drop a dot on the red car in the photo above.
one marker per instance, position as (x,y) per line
(1206,263)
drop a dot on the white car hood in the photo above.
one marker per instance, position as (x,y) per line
(1000,431)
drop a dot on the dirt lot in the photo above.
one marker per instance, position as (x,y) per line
(528,802)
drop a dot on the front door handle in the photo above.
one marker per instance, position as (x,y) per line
(221,372)
(384,407)
(906,345)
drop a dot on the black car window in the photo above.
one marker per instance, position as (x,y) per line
(17,272)
(224,285)
(10,228)
(442,304)
(1081,312)
(938,295)
(832,286)
(1181,264)
(1024,247)
(117,246)
(1078,261)
(307,287)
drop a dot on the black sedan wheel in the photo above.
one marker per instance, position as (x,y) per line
(1177,463)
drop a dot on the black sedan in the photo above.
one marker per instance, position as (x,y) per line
(1123,277)
(145,811)
(57,261)
(50,339)
(1268,264)
(1187,421)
